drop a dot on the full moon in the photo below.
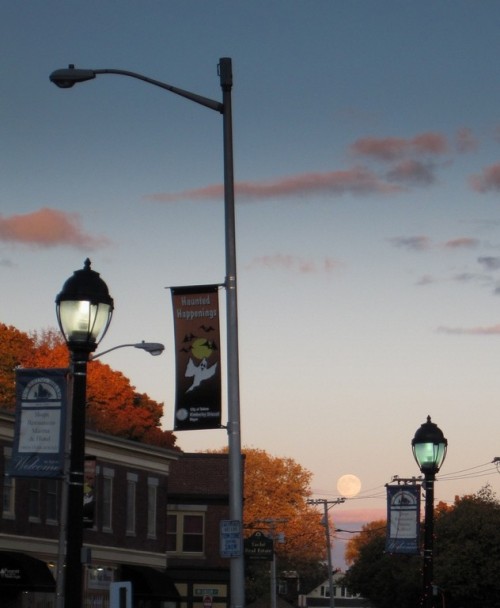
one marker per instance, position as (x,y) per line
(349,485)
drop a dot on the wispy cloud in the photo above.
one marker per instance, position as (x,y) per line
(488,180)
(465,141)
(490,262)
(48,228)
(462,242)
(493,330)
(413,243)
(411,171)
(356,181)
(424,243)
(294,263)
(396,148)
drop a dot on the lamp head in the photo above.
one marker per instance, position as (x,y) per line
(84,309)
(153,348)
(429,447)
(66,78)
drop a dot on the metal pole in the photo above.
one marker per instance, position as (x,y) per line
(428,575)
(73,580)
(63,505)
(237,570)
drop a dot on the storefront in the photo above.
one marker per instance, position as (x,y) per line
(25,582)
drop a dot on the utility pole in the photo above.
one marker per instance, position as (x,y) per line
(328,504)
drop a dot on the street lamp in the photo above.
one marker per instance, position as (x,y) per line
(429,449)
(84,309)
(65,79)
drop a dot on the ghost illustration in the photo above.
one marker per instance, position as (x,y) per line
(199,372)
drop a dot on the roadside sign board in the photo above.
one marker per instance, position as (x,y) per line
(230,538)
(259,547)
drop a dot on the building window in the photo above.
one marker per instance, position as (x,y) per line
(107,499)
(185,532)
(52,500)
(9,489)
(34,500)
(131,499)
(152,503)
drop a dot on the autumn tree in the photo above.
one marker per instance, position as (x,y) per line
(276,490)
(370,530)
(386,580)
(113,405)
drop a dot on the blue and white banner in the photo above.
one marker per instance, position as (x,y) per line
(41,400)
(403,519)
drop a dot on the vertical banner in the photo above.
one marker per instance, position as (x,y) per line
(41,399)
(403,519)
(197,357)
(89,491)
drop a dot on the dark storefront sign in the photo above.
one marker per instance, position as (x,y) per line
(21,572)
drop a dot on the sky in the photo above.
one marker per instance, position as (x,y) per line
(367,176)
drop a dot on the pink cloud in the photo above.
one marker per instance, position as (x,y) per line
(465,140)
(47,228)
(393,148)
(488,180)
(493,330)
(429,143)
(386,148)
(294,263)
(357,181)
(461,243)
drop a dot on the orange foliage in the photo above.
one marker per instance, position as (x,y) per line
(113,405)
(368,531)
(277,489)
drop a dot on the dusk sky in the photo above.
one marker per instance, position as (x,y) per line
(367,169)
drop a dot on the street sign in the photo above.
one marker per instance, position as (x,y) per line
(230,538)
(259,547)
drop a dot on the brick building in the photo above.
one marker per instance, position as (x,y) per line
(155,523)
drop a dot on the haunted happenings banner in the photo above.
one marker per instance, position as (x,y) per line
(197,357)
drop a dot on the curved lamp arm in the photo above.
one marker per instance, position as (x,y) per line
(153,348)
(66,78)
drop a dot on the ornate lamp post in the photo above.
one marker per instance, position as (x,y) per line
(84,309)
(67,78)
(429,449)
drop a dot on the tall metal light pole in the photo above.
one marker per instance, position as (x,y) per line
(327,505)
(84,309)
(429,449)
(65,79)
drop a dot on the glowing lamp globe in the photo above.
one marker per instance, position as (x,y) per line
(84,309)
(429,447)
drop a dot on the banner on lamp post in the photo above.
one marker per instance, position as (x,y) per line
(39,431)
(197,357)
(403,519)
